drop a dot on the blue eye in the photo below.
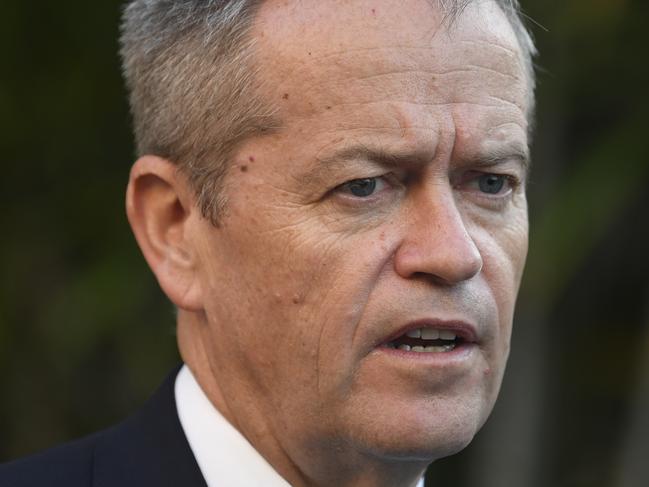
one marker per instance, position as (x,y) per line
(361,188)
(492,183)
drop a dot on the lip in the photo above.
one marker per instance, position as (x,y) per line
(459,358)
(466,331)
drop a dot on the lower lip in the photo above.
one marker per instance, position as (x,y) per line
(460,354)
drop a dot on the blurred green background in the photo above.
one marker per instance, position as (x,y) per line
(86,336)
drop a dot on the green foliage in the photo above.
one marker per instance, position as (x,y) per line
(85,334)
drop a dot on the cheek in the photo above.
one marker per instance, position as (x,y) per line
(503,241)
(504,251)
(339,276)
(294,323)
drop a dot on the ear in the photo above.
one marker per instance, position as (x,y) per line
(159,205)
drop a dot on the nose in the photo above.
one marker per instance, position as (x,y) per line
(436,243)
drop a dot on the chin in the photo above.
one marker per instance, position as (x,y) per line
(424,434)
(422,447)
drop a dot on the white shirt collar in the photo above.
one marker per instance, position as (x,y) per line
(223,455)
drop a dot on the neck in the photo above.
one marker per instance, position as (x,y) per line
(314,465)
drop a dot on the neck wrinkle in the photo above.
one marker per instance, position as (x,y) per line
(193,344)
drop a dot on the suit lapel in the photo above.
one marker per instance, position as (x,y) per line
(148,449)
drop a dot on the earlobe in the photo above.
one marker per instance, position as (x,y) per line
(160,207)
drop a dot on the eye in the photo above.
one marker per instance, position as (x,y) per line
(362,188)
(488,188)
(492,183)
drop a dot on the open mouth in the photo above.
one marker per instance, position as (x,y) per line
(426,340)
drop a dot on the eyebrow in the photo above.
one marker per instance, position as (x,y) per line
(377,155)
(490,157)
(506,153)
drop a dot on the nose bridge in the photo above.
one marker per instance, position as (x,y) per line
(436,241)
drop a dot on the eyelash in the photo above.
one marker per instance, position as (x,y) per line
(390,181)
(474,177)
(494,202)
(507,179)
(373,180)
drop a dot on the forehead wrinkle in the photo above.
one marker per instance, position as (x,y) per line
(469,68)
(438,63)
(356,50)
(422,87)
(407,142)
(351,77)
(502,100)
(308,26)
(513,53)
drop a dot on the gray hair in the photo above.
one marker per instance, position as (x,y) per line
(192,83)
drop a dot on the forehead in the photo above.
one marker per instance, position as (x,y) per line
(342,33)
(366,65)
(406,20)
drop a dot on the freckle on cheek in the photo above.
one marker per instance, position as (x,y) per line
(244,168)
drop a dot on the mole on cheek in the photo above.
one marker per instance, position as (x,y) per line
(244,168)
(285,96)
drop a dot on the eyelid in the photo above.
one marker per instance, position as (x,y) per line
(494,202)
(389,178)
(379,180)
(512,179)
(392,185)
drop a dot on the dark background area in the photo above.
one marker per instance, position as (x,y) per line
(86,335)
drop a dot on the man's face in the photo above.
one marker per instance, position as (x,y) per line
(390,200)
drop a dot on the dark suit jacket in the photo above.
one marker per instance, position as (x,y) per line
(147,450)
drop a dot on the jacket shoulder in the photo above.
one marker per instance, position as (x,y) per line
(147,449)
(69,465)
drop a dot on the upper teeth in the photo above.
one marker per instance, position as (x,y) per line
(431,334)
